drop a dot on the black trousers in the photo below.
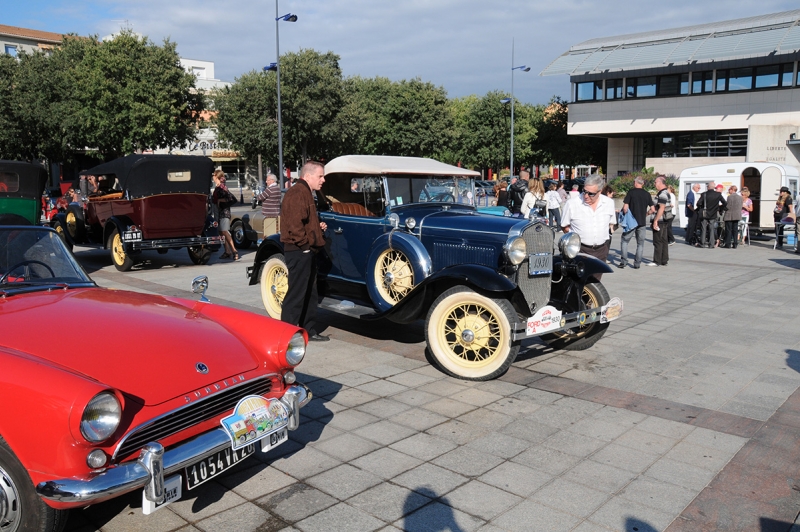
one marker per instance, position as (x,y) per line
(731,233)
(661,245)
(691,229)
(300,303)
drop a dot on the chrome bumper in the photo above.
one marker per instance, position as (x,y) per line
(604,314)
(138,245)
(155,463)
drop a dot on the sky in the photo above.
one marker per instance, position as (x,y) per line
(464,46)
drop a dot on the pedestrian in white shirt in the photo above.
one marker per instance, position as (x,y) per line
(591,216)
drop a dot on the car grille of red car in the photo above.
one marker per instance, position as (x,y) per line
(204,409)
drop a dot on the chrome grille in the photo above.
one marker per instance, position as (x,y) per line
(445,255)
(536,289)
(192,414)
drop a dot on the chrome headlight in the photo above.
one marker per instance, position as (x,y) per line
(411,223)
(296,350)
(569,245)
(101,417)
(516,250)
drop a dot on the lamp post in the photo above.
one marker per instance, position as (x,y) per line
(276,66)
(513,68)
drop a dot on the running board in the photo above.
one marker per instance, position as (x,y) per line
(347,308)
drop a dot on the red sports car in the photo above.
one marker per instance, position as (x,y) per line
(152,403)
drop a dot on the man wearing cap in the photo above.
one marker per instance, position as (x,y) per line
(711,203)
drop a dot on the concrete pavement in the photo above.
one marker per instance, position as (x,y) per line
(685,416)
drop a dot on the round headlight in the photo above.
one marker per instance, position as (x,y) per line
(569,245)
(517,251)
(101,417)
(296,350)
(96,459)
(411,223)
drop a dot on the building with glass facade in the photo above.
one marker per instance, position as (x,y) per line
(672,99)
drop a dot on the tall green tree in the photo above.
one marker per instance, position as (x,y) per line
(487,139)
(10,147)
(554,146)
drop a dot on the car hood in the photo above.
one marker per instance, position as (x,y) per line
(146,346)
(470,222)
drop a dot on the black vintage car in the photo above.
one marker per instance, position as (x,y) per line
(144,202)
(405,242)
(21,188)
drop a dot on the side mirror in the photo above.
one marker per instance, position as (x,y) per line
(199,286)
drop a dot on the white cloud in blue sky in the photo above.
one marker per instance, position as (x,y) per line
(463,45)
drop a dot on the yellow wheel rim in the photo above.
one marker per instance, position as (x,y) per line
(117,251)
(72,224)
(590,300)
(472,334)
(60,230)
(394,275)
(274,284)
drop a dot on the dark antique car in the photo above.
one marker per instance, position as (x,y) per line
(405,246)
(144,202)
(87,420)
(21,188)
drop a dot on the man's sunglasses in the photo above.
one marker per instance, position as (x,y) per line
(591,194)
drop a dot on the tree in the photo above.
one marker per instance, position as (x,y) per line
(10,147)
(487,138)
(554,146)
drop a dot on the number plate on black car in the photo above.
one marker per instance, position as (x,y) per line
(540,263)
(131,236)
(215,464)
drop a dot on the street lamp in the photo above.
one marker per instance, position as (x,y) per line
(513,68)
(276,66)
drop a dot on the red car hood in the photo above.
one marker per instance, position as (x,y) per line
(144,345)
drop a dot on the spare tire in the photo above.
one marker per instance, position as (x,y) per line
(76,224)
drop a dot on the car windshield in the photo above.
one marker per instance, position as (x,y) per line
(36,257)
(431,189)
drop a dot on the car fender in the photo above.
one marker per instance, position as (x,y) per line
(587,266)
(268,247)
(44,429)
(120,223)
(411,247)
(481,279)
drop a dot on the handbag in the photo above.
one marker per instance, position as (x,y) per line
(540,204)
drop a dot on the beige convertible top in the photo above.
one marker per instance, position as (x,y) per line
(386,164)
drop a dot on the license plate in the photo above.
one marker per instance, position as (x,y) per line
(215,464)
(540,263)
(172,492)
(274,439)
(131,236)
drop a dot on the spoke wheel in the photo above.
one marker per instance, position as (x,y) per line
(72,224)
(122,261)
(469,335)
(583,336)
(394,276)
(274,284)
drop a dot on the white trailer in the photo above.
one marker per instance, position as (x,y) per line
(764,180)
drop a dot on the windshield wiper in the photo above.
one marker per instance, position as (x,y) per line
(5,288)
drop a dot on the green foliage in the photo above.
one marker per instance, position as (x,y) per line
(622,184)
(247,115)
(553,146)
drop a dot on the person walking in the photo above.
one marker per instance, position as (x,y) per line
(302,237)
(639,202)
(731,218)
(710,204)
(562,193)
(501,193)
(516,195)
(534,195)
(660,235)
(220,198)
(553,207)
(691,214)
(591,216)
(270,200)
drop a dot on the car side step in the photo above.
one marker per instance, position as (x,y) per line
(345,307)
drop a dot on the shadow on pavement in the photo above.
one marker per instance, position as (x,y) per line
(789,262)
(412,333)
(793,359)
(437,516)
(635,525)
(771,525)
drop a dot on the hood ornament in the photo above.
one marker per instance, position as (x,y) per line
(201,368)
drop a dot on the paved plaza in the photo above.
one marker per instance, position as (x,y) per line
(684,417)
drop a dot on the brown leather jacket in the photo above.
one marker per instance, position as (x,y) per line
(300,228)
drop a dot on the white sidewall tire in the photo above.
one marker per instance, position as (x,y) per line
(272,298)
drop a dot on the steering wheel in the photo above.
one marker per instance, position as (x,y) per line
(25,263)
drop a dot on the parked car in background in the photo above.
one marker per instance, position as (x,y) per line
(144,202)
(402,249)
(21,188)
(97,416)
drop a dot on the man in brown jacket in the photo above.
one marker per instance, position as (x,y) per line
(302,238)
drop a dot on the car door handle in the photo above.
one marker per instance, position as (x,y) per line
(338,230)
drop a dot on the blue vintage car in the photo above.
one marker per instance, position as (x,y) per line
(405,242)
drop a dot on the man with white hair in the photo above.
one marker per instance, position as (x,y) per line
(271,206)
(591,216)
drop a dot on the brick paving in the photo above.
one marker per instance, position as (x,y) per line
(685,416)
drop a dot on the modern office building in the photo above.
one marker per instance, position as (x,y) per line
(676,98)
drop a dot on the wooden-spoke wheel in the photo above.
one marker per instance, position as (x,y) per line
(394,276)
(274,284)
(469,335)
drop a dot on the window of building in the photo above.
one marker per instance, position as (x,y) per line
(641,87)
(613,89)
(673,85)
(11,50)
(787,69)
(726,143)
(199,72)
(722,81)
(768,76)
(702,82)
(589,91)
(740,79)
